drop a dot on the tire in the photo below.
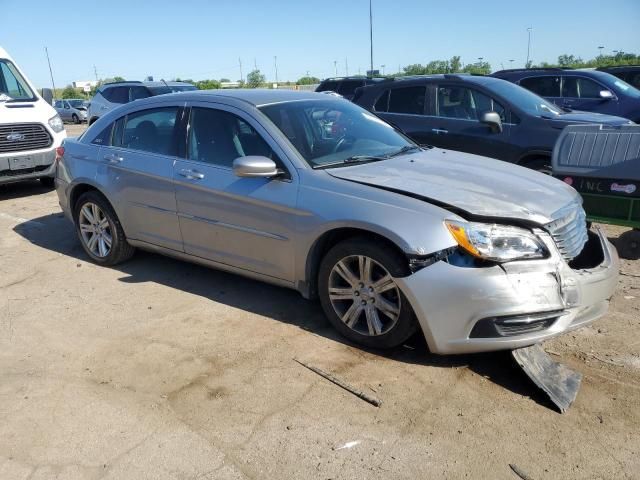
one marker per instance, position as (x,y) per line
(628,245)
(75,119)
(541,164)
(48,182)
(93,216)
(371,322)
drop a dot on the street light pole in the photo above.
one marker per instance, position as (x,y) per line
(528,46)
(335,66)
(275,63)
(371,33)
(383,69)
(600,50)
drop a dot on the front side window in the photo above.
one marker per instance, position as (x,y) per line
(465,103)
(407,100)
(13,86)
(326,132)
(218,137)
(547,86)
(58,104)
(577,87)
(151,131)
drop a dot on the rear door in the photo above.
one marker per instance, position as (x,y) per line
(547,86)
(138,172)
(247,223)
(458,112)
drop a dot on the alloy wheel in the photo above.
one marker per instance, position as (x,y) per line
(95,230)
(364,295)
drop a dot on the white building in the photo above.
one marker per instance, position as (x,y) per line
(83,84)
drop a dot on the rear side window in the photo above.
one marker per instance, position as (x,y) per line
(348,87)
(548,86)
(152,131)
(382,104)
(330,86)
(104,137)
(577,87)
(407,100)
(137,93)
(116,94)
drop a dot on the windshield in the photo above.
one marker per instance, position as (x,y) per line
(326,132)
(13,86)
(525,100)
(77,103)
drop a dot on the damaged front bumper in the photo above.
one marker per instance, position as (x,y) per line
(513,305)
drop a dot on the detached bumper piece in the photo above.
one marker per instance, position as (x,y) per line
(558,381)
(514,325)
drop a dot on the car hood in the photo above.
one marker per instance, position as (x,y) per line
(576,116)
(466,183)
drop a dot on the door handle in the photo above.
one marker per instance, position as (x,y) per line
(103,107)
(191,174)
(439,130)
(113,158)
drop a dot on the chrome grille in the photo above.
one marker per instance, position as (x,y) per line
(569,230)
(18,137)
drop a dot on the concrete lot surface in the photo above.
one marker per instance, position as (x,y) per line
(159,369)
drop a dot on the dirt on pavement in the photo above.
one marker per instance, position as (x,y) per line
(161,369)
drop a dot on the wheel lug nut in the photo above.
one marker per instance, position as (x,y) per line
(356,293)
(361,284)
(363,302)
(371,289)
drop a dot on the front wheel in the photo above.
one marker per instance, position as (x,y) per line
(360,297)
(99,230)
(542,165)
(75,119)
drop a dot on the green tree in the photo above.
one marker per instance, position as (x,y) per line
(207,84)
(308,80)
(255,79)
(455,65)
(70,92)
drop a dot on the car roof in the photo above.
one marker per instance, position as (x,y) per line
(128,83)
(255,96)
(421,79)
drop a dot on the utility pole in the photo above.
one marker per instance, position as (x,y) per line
(255,64)
(240,63)
(275,64)
(511,63)
(50,71)
(371,33)
(383,69)
(528,46)
(346,67)
(95,72)
(335,66)
(600,51)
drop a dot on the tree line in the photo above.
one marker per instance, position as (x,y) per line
(256,79)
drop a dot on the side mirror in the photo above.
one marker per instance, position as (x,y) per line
(255,166)
(492,119)
(606,95)
(47,95)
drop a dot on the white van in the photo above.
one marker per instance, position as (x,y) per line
(30,128)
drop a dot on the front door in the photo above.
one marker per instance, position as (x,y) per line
(138,169)
(579,93)
(243,222)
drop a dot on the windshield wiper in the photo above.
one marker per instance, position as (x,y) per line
(352,159)
(405,149)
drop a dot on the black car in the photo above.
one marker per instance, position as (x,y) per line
(346,86)
(580,89)
(628,73)
(476,114)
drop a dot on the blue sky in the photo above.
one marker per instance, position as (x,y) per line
(204,39)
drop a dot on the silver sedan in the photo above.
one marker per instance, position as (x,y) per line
(311,192)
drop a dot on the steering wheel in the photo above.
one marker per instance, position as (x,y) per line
(343,142)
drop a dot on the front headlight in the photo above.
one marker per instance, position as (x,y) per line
(56,124)
(494,242)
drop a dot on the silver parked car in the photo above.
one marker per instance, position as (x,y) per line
(72,110)
(312,192)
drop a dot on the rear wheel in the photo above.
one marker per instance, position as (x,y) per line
(628,245)
(75,119)
(360,297)
(99,230)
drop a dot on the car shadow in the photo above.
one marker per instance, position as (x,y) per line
(10,191)
(280,304)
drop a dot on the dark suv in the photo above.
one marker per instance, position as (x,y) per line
(113,94)
(476,114)
(588,90)
(628,73)
(346,86)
